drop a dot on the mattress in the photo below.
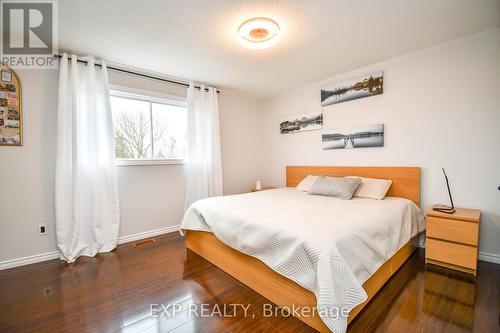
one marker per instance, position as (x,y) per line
(326,245)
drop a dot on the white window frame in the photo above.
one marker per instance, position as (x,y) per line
(148,96)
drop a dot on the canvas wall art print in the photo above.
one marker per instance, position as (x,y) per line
(300,123)
(368,136)
(365,86)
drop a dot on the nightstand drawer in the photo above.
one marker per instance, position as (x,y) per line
(451,253)
(453,230)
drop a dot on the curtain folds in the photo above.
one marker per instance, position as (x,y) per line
(204,166)
(86,192)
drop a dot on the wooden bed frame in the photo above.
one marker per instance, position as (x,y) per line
(284,292)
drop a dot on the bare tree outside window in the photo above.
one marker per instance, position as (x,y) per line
(172,119)
(148,130)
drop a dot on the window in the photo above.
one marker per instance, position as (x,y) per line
(147,129)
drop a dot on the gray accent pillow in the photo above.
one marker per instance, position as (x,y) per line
(338,187)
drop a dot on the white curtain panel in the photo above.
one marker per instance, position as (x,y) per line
(204,169)
(86,197)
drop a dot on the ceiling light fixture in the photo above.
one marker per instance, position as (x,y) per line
(259,33)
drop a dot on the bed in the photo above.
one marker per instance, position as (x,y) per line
(302,251)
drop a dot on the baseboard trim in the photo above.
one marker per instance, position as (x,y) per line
(28,260)
(55,254)
(147,234)
(490,257)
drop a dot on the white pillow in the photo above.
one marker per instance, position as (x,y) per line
(306,183)
(372,188)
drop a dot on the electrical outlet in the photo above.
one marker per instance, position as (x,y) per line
(42,229)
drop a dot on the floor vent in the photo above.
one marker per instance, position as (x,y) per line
(144,242)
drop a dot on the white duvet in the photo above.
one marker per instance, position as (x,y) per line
(327,245)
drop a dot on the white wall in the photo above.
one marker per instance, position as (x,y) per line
(27,172)
(151,197)
(242,142)
(440,107)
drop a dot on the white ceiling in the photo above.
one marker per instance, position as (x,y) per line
(196,39)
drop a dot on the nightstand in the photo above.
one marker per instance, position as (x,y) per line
(452,239)
(263,188)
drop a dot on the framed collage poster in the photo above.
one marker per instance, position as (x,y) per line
(11,119)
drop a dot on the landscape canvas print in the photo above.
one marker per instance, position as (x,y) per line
(304,122)
(369,136)
(367,85)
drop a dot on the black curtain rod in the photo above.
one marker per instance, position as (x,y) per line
(136,74)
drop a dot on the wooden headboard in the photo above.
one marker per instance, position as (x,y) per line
(405,180)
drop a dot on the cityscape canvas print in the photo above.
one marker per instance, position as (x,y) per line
(369,136)
(304,122)
(365,86)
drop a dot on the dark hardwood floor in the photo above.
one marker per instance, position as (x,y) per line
(113,292)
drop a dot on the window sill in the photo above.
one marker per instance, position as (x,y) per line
(132,162)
